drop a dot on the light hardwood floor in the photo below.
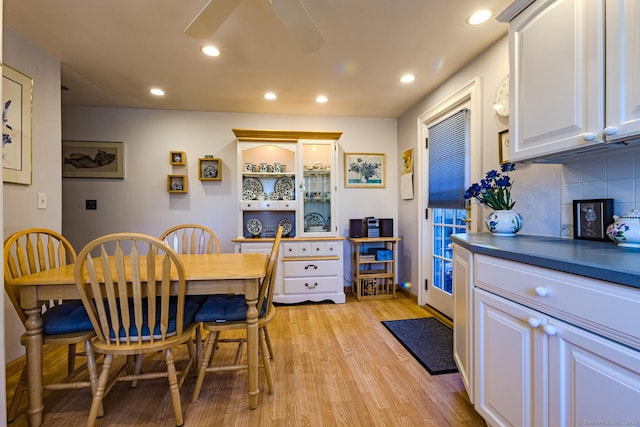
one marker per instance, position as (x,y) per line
(335,365)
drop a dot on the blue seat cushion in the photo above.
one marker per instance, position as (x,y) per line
(191,306)
(225,308)
(66,318)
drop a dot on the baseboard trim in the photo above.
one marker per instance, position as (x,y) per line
(439,315)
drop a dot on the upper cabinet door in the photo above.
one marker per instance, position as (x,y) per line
(557,77)
(623,68)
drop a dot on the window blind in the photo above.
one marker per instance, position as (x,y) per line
(448,161)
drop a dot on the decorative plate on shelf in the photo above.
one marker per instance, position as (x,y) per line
(210,172)
(284,184)
(254,226)
(313,219)
(252,185)
(287,226)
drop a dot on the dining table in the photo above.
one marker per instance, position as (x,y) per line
(205,274)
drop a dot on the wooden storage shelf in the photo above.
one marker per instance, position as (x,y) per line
(373,278)
(209,169)
(177,183)
(177,158)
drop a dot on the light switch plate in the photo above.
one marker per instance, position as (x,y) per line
(42,200)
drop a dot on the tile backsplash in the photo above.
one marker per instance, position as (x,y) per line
(616,176)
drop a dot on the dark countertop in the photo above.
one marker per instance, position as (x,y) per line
(596,260)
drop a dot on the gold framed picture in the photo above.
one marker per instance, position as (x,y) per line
(17,92)
(503,146)
(364,170)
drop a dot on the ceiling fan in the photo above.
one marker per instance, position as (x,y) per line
(292,13)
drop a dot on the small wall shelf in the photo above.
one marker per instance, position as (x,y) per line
(177,158)
(209,169)
(177,183)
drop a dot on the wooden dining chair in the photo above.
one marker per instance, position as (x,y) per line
(65,323)
(191,239)
(222,313)
(125,281)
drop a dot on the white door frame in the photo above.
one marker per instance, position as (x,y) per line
(470,92)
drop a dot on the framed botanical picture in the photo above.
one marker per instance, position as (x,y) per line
(591,219)
(16,126)
(365,170)
(92,159)
(503,146)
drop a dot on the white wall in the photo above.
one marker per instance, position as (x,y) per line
(19,201)
(536,189)
(141,203)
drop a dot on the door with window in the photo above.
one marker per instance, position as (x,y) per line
(448,147)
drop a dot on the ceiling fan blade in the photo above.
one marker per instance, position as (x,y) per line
(299,23)
(210,18)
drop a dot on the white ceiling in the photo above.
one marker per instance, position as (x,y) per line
(112,52)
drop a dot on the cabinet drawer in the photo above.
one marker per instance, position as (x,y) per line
(310,268)
(605,308)
(289,249)
(310,284)
(267,205)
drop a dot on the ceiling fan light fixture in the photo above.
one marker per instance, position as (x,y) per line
(479,17)
(322,99)
(210,51)
(156,91)
(270,96)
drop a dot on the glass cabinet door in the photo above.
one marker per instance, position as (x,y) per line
(317,188)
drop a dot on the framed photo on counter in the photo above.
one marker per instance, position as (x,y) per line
(591,219)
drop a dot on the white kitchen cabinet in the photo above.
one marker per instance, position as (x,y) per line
(463,315)
(288,178)
(556,53)
(509,362)
(571,62)
(553,349)
(623,69)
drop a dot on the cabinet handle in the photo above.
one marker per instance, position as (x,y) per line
(306,267)
(589,136)
(534,322)
(550,330)
(610,130)
(541,292)
(311,286)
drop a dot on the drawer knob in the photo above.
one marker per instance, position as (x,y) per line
(311,286)
(541,292)
(550,330)
(308,266)
(534,322)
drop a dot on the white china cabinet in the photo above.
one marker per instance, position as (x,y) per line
(288,179)
(574,76)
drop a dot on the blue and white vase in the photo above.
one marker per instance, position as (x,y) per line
(504,222)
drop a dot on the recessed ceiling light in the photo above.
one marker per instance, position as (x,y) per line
(407,78)
(270,96)
(321,99)
(479,17)
(210,51)
(157,91)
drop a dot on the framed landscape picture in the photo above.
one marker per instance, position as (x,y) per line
(92,159)
(364,170)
